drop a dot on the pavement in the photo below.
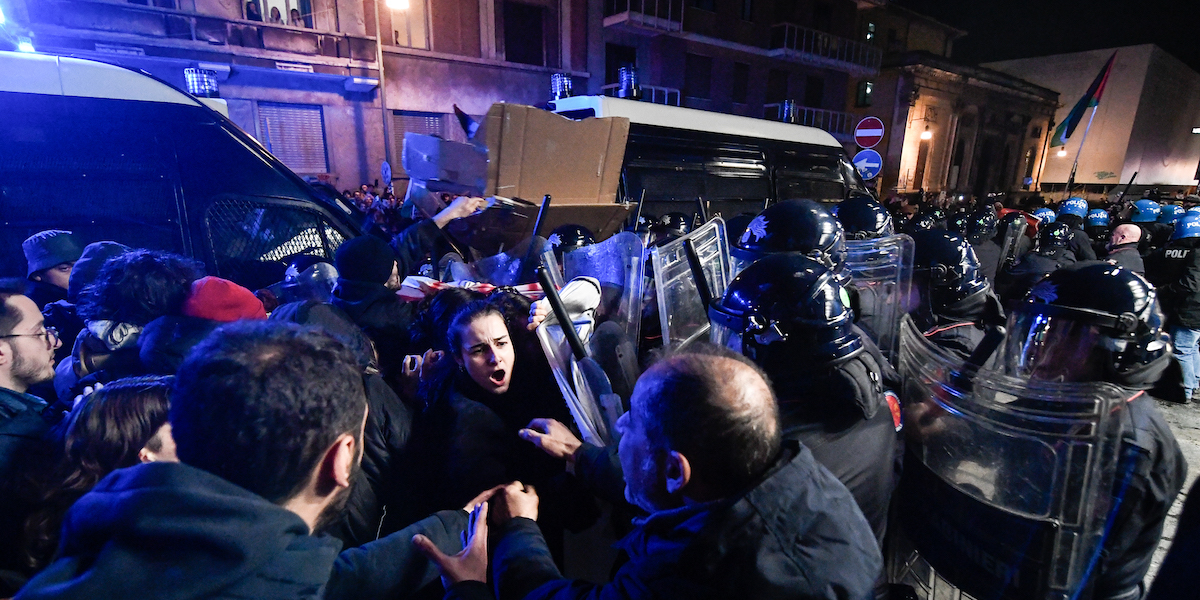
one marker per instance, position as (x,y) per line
(1184,420)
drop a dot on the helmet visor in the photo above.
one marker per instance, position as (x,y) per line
(737,264)
(1056,348)
(721,334)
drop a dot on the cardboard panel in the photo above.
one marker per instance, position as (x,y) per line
(495,229)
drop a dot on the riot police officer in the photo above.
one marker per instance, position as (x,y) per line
(788,313)
(1144,214)
(1052,253)
(1096,226)
(1175,269)
(981,233)
(568,237)
(792,226)
(1045,216)
(1093,322)
(864,218)
(308,278)
(957,303)
(1072,212)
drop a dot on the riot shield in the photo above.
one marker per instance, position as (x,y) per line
(881,272)
(683,314)
(1008,252)
(1007,483)
(618,263)
(511,267)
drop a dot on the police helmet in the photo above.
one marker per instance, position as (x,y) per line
(671,226)
(1170,213)
(566,238)
(1187,227)
(792,226)
(863,218)
(782,309)
(1194,209)
(1073,206)
(1054,235)
(1097,217)
(982,225)
(309,278)
(1045,215)
(945,268)
(958,222)
(925,220)
(1090,321)
(1145,211)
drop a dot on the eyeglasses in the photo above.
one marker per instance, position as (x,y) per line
(50,335)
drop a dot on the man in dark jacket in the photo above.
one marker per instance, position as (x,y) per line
(1052,254)
(1176,271)
(957,303)
(50,256)
(26,359)
(1073,212)
(1123,248)
(268,425)
(733,512)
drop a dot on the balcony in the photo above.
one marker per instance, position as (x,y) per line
(840,124)
(213,33)
(820,49)
(650,93)
(644,17)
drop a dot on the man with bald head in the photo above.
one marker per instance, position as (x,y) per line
(731,509)
(1123,248)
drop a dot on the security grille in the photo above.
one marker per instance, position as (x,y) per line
(252,241)
(295,134)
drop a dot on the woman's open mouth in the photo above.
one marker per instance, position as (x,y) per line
(498,376)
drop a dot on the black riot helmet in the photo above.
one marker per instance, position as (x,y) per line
(1091,321)
(945,269)
(785,311)
(925,220)
(1054,236)
(982,225)
(959,222)
(566,238)
(864,218)
(308,278)
(671,226)
(792,226)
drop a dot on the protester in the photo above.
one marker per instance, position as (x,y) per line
(26,359)
(119,425)
(50,255)
(1123,248)
(732,510)
(63,315)
(268,425)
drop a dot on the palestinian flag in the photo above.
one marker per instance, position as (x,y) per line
(1090,99)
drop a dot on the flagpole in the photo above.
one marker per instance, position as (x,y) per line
(1071,179)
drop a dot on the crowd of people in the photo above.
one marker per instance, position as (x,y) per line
(168,434)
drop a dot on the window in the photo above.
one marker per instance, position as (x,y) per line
(741,83)
(295,134)
(409,25)
(615,57)
(524,39)
(709,5)
(697,76)
(864,93)
(777,86)
(822,16)
(747,10)
(1036,132)
(814,91)
(870,31)
(295,13)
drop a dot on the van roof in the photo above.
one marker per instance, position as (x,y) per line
(30,73)
(676,117)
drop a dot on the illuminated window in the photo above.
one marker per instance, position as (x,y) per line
(870,31)
(865,88)
(294,13)
(410,26)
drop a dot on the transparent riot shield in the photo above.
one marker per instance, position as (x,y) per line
(511,267)
(683,314)
(881,271)
(618,263)
(1007,483)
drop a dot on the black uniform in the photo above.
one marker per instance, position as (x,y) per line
(1175,270)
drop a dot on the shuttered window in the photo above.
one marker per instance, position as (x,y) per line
(295,134)
(428,123)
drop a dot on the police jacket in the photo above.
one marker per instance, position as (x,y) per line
(795,534)
(958,328)
(1080,245)
(1032,267)
(1126,256)
(1156,468)
(167,531)
(1154,237)
(988,253)
(1175,271)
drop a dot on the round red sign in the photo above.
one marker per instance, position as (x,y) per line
(869,132)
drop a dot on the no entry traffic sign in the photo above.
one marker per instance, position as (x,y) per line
(869,132)
(869,163)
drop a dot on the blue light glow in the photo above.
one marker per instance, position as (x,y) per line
(25,45)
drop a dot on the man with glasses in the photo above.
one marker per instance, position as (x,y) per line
(26,358)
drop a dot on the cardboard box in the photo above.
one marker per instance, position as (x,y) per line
(497,229)
(533,152)
(446,166)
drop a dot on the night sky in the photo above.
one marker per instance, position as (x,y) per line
(1007,29)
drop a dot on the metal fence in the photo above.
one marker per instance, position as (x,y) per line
(788,111)
(790,38)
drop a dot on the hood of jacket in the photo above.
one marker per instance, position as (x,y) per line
(166,341)
(797,533)
(170,531)
(367,304)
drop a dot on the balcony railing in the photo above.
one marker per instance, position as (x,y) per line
(190,26)
(650,93)
(644,15)
(823,49)
(836,122)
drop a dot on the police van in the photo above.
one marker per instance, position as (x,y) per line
(677,157)
(114,154)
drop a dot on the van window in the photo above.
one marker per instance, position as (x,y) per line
(77,164)
(253,239)
(674,172)
(815,176)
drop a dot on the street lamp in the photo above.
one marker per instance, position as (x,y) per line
(1062,151)
(927,134)
(397,4)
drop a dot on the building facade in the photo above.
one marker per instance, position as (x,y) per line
(1144,124)
(304,76)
